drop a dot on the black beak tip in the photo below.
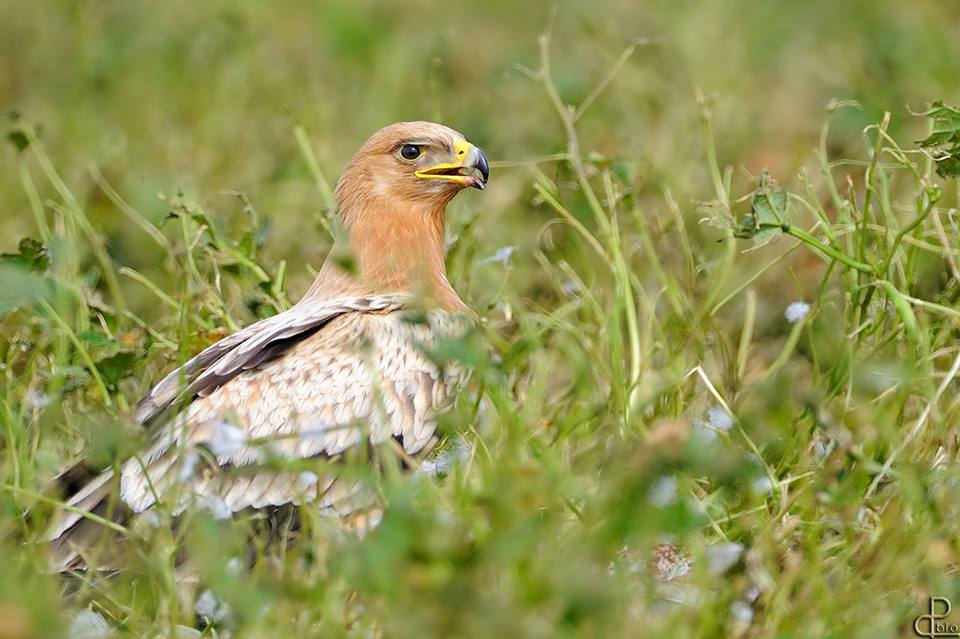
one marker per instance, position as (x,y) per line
(483,166)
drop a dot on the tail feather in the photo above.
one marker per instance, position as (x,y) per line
(86,499)
(73,532)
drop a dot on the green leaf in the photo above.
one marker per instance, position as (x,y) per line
(18,139)
(117,367)
(949,166)
(943,143)
(768,212)
(946,121)
(94,338)
(905,311)
(33,256)
(17,135)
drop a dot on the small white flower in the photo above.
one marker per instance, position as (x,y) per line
(216,506)
(663,492)
(88,624)
(427,467)
(234,566)
(506,309)
(36,399)
(149,518)
(741,612)
(719,418)
(796,312)
(704,433)
(209,606)
(762,485)
(226,440)
(189,465)
(570,288)
(696,506)
(721,557)
(453,453)
(502,256)
(823,447)
(307,480)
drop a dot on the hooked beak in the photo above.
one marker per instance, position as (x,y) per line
(470,162)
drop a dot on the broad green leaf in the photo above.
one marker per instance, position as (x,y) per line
(33,256)
(768,212)
(943,143)
(116,367)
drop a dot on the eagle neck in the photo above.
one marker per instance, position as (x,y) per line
(389,246)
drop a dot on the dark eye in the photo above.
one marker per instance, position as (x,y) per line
(410,151)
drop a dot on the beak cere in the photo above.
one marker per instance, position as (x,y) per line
(464,171)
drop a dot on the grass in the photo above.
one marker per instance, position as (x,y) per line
(638,378)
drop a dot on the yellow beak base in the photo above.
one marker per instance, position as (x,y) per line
(469,159)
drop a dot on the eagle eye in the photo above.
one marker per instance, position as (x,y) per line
(410,151)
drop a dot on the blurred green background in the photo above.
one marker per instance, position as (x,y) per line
(546,532)
(201,97)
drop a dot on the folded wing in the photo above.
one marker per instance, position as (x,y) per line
(310,382)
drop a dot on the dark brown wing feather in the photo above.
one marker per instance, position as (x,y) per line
(249,347)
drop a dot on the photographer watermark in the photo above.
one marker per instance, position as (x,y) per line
(934,623)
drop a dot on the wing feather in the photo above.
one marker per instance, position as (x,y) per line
(250,347)
(310,382)
(361,376)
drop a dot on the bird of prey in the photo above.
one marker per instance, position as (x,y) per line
(343,367)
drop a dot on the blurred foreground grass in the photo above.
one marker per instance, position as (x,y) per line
(756,366)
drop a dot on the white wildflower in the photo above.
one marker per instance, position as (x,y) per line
(226,440)
(663,492)
(721,557)
(88,624)
(502,256)
(796,312)
(189,465)
(823,446)
(453,453)
(719,418)
(209,606)
(762,485)
(695,506)
(36,399)
(506,309)
(307,480)
(149,519)
(234,566)
(741,612)
(570,288)
(704,433)
(216,506)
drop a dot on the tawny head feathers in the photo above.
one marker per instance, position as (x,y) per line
(410,163)
(391,199)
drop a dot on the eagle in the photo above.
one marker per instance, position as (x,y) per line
(344,367)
